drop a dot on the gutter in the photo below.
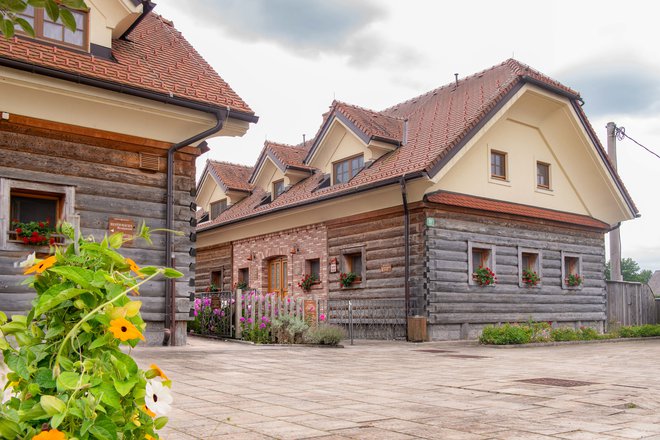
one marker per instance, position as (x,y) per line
(121,88)
(170,288)
(406,245)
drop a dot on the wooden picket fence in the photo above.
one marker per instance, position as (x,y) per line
(252,306)
(630,304)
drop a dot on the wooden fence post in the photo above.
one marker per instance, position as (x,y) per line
(238,312)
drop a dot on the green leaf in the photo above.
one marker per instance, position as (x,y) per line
(19,318)
(3,317)
(37,3)
(52,9)
(172,273)
(69,380)
(66,364)
(108,395)
(6,27)
(50,303)
(57,420)
(52,405)
(67,19)
(18,364)
(44,378)
(9,429)
(80,276)
(117,238)
(25,25)
(160,422)
(124,388)
(148,270)
(54,330)
(104,429)
(75,4)
(12,327)
(35,412)
(3,343)
(100,341)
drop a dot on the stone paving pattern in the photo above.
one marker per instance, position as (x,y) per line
(394,390)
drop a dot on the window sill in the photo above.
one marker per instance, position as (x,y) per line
(496,181)
(547,192)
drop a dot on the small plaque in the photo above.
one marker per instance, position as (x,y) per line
(123,225)
(333,267)
(310,311)
(430,221)
(215,302)
(386,268)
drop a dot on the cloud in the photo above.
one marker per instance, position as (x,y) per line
(308,28)
(616,86)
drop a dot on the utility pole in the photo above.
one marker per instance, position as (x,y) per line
(615,235)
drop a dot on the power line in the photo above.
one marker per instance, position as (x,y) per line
(621,134)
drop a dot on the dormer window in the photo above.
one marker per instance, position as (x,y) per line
(347,169)
(218,207)
(278,188)
(48,30)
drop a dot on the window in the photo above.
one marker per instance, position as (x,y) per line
(529,260)
(571,271)
(278,188)
(218,208)
(353,261)
(498,165)
(347,169)
(25,202)
(216,280)
(313,267)
(480,255)
(48,30)
(243,278)
(542,175)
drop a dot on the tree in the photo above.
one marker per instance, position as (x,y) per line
(630,271)
(56,9)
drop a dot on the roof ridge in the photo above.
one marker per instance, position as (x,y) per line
(358,107)
(281,144)
(450,84)
(224,162)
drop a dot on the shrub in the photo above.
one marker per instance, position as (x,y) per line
(588,334)
(289,329)
(259,332)
(564,334)
(639,331)
(506,334)
(67,376)
(325,334)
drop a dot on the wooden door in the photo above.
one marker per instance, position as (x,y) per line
(277,276)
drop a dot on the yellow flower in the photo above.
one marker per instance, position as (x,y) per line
(124,330)
(158,371)
(42,266)
(134,267)
(53,434)
(148,411)
(148,437)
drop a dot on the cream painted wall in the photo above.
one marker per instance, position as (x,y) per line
(209,192)
(104,110)
(536,126)
(109,19)
(268,173)
(339,143)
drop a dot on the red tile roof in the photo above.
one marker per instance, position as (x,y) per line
(473,202)
(155,57)
(232,175)
(288,155)
(372,123)
(437,122)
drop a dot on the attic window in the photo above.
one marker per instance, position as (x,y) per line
(345,170)
(324,183)
(48,30)
(278,188)
(218,208)
(498,165)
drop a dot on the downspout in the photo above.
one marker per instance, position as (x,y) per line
(406,246)
(221,116)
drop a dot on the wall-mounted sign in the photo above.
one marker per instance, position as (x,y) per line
(123,225)
(310,311)
(333,265)
(386,268)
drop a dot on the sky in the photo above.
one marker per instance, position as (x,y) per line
(288,59)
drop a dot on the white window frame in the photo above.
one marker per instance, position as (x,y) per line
(475,245)
(7,185)
(538,269)
(564,274)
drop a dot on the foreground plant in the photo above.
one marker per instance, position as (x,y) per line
(67,375)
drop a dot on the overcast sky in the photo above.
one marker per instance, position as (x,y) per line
(288,59)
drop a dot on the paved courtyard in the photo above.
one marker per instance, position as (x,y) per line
(397,390)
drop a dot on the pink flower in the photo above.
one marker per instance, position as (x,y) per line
(242,319)
(249,321)
(262,325)
(322,317)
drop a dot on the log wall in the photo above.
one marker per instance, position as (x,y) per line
(107,182)
(458,310)
(213,258)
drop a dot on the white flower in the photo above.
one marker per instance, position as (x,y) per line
(158,398)
(28,262)
(8,393)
